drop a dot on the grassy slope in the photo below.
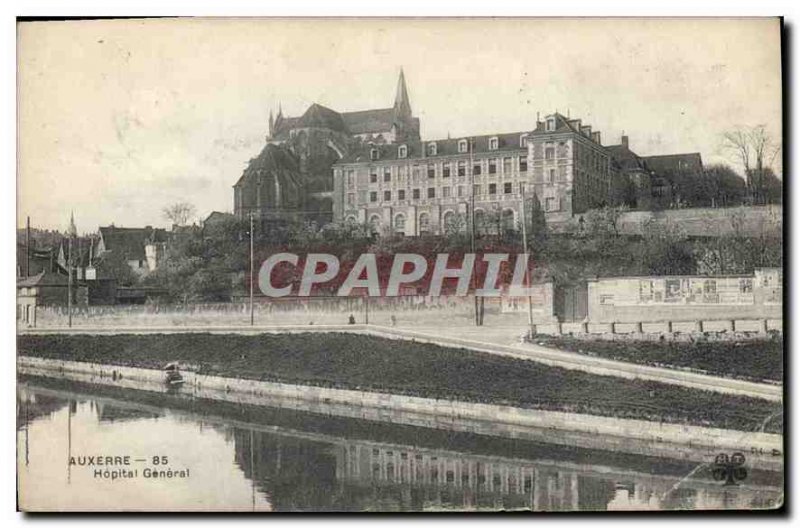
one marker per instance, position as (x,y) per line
(750,360)
(370,363)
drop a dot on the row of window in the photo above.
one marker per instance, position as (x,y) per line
(446,170)
(477,189)
(432,148)
(551,203)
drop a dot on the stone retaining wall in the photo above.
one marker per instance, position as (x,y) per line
(428,412)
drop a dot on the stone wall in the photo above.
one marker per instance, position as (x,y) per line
(426,412)
(686,299)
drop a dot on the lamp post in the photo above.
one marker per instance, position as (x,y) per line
(69,281)
(471,168)
(252,270)
(525,252)
(72,232)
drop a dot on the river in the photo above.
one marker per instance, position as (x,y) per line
(82,447)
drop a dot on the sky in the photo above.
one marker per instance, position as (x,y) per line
(118,119)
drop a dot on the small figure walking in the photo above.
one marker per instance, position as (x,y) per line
(352,320)
(394,320)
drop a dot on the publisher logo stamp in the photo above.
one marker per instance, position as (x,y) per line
(729,469)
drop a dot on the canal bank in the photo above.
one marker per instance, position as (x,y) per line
(627,435)
(488,342)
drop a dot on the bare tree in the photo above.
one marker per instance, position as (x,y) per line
(179,213)
(756,151)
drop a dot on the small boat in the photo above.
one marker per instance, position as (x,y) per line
(172,375)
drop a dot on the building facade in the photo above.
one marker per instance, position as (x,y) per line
(431,187)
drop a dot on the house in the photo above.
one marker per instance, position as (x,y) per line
(34,260)
(46,289)
(142,248)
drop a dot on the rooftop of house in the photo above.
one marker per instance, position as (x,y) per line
(625,158)
(45,278)
(131,241)
(672,163)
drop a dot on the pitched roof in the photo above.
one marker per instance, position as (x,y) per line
(42,279)
(625,158)
(360,122)
(130,241)
(318,116)
(273,159)
(673,163)
(40,259)
(369,121)
(218,216)
(563,124)
(81,250)
(507,142)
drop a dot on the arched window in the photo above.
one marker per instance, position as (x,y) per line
(375,224)
(424,224)
(450,221)
(402,151)
(400,224)
(431,149)
(350,220)
(462,145)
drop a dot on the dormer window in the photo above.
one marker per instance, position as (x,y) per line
(523,141)
(373,154)
(550,124)
(431,149)
(402,152)
(494,143)
(462,145)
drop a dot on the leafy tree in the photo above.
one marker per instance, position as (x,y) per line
(114,265)
(722,186)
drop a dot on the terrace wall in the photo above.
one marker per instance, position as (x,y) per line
(686,298)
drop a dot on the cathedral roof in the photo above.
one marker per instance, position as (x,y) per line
(318,116)
(369,121)
(360,122)
(273,159)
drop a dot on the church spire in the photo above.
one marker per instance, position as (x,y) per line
(402,105)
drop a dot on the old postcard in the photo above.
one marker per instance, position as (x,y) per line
(360,265)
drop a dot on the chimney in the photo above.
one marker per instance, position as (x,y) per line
(596,137)
(625,141)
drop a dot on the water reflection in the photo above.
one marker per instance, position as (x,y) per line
(238,462)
